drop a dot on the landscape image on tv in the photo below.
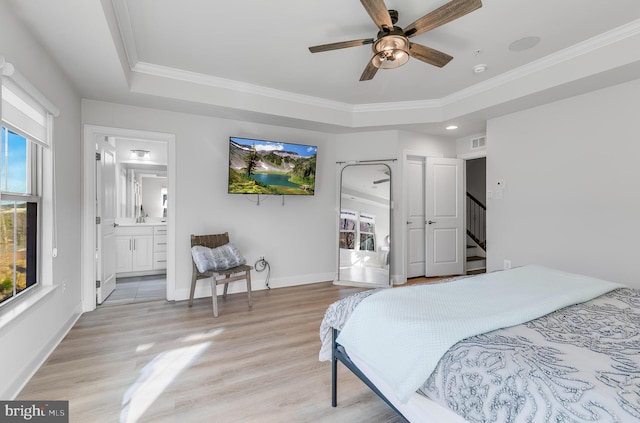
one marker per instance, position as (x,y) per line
(269,167)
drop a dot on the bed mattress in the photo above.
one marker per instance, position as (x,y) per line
(577,364)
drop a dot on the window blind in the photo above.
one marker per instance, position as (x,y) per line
(24,107)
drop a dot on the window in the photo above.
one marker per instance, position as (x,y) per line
(19,200)
(357,226)
(348,224)
(367,233)
(25,151)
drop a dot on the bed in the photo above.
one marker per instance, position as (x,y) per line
(530,344)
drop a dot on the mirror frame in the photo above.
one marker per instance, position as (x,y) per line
(348,282)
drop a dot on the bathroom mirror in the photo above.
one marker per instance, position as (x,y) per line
(364,225)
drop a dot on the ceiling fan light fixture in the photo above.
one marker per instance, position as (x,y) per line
(390,51)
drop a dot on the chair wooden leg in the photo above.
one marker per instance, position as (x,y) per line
(193,288)
(226,286)
(214,296)
(249,287)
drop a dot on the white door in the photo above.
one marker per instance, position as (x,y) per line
(415,217)
(444,195)
(106,196)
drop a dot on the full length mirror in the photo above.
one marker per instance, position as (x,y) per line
(364,225)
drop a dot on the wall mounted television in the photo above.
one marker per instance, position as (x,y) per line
(271,167)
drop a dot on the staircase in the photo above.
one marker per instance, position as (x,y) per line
(476,236)
(476,260)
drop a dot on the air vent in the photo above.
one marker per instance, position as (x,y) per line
(478,142)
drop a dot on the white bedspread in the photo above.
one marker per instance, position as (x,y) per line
(403,333)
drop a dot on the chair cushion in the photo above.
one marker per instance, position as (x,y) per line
(220,258)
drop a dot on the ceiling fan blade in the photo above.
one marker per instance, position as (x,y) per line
(379,13)
(429,55)
(379,181)
(442,15)
(342,44)
(369,72)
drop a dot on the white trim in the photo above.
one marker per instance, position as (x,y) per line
(241,87)
(88,266)
(123,19)
(473,154)
(12,391)
(599,41)
(608,38)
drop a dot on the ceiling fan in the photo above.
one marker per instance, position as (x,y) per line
(391,47)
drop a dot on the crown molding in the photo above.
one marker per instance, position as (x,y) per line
(563,56)
(238,86)
(123,20)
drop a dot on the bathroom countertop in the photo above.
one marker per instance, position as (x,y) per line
(143,224)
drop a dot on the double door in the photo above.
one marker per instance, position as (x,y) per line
(135,252)
(435,216)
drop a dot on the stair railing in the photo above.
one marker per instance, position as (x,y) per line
(477,221)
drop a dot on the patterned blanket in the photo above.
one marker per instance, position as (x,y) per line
(578,364)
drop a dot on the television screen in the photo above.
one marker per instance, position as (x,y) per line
(269,167)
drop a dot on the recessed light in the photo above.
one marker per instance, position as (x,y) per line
(451,127)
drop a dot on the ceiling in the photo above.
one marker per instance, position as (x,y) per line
(369,183)
(156,165)
(249,59)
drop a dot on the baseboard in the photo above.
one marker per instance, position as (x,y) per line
(32,367)
(203,287)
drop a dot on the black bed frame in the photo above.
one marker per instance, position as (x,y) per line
(339,354)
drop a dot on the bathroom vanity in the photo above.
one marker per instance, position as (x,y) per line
(141,249)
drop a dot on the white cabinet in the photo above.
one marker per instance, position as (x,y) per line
(134,246)
(159,247)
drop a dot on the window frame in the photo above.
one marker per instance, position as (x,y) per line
(358,219)
(33,195)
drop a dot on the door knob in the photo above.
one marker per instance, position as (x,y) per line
(431,222)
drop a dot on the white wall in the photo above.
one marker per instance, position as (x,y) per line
(27,339)
(464,150)
(293,236)
(572,185)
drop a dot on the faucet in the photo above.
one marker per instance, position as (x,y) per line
(140,218)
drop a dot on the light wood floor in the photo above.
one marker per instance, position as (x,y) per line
(165,362)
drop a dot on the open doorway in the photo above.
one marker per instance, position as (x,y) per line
(140,246)
(141,257)
(476,237)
